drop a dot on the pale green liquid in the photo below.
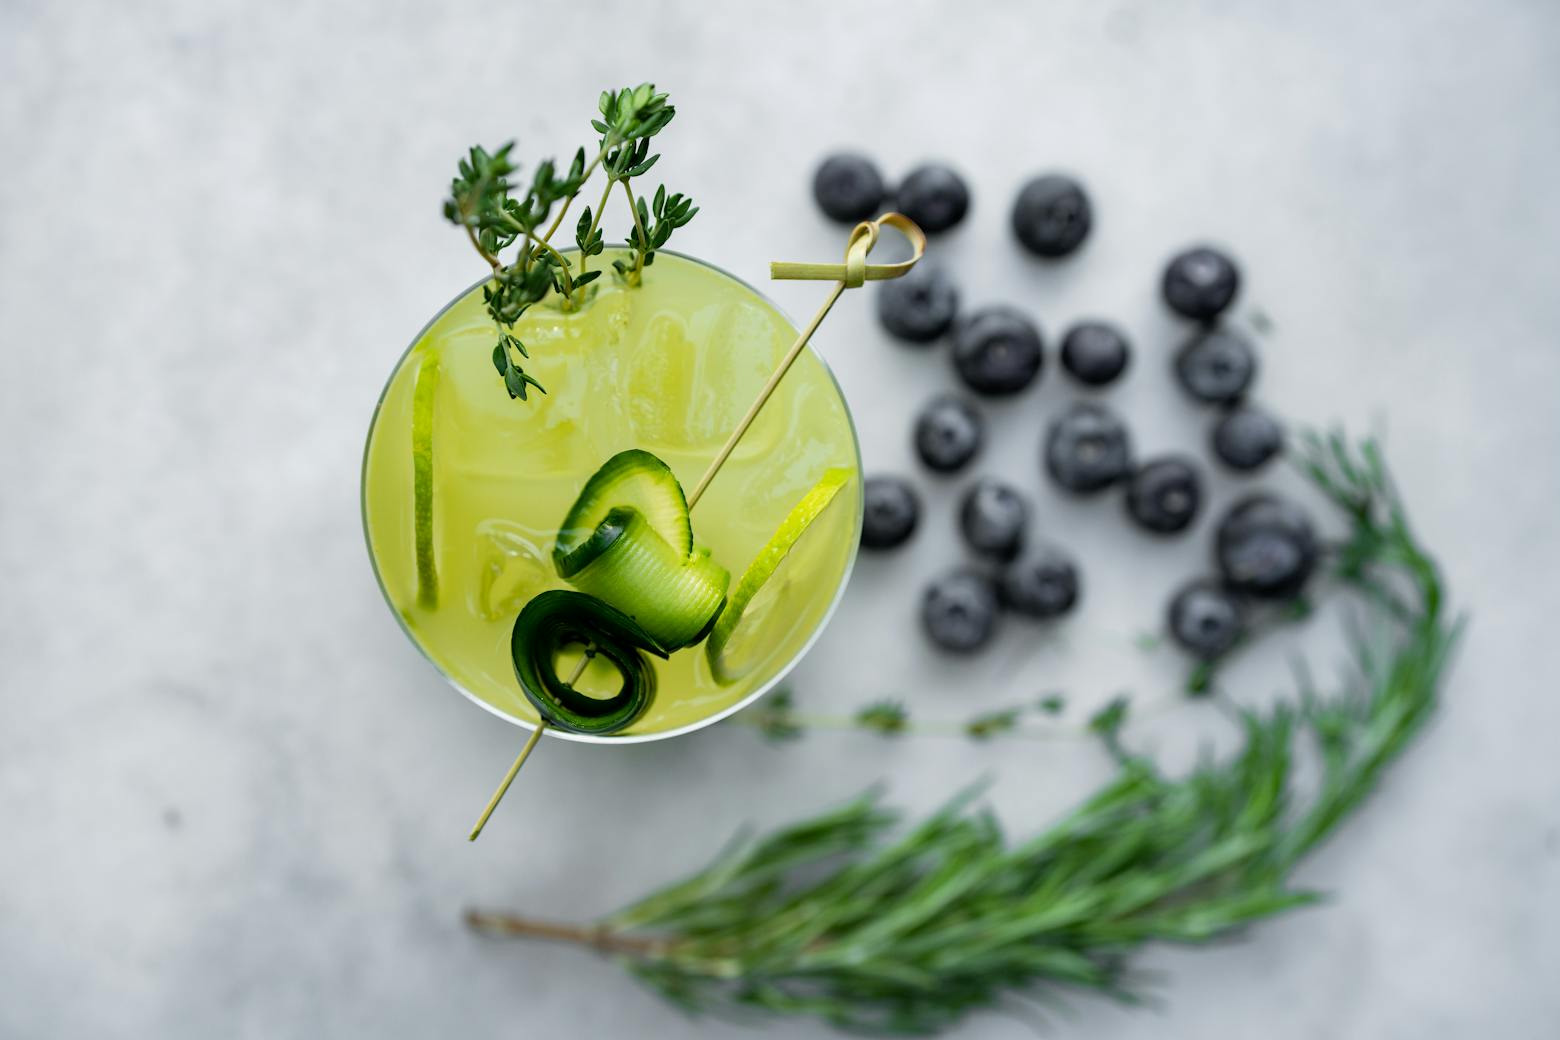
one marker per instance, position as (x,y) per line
(669,367)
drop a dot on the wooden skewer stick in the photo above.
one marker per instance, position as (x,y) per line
(853,273)
(525,753)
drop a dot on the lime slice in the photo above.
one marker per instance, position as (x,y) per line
(422,478)
(769,602)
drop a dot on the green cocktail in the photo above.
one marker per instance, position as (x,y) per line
(666,367)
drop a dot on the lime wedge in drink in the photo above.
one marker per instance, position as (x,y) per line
(767,602)
(422,478)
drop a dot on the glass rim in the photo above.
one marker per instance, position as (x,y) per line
(630,738)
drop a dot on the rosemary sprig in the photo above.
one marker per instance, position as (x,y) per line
(838,918)
(486,202)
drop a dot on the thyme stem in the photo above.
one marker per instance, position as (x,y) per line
(563,211)
(492,260)
(595,221)
(639,255)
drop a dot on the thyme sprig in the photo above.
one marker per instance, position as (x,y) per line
(488,202)
(848,918)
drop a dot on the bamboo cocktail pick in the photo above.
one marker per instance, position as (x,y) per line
(851,274)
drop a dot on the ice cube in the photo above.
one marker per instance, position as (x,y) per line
(481,432)
(658,384)
(510,567)
(687,382)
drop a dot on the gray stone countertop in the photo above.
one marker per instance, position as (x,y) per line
(234,798)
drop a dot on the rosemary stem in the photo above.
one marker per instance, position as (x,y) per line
(603,939)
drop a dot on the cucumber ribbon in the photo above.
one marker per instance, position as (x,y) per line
(561,618)
(628,541)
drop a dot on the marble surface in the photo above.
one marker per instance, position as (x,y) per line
(234,799)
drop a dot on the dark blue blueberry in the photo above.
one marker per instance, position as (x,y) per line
(997,351)
(920,306)
(1095,353)
(1087,449)
(1216,366)
(1206,619)
(1246,438)
(1266,547)
(848,187)
(959,611)
(948,433)
(1163,496)
(1043,585)
(934,196)
(890,511)
(1200,283)
(993,517)
(1052,216)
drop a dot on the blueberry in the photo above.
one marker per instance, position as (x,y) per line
(1164,495)
(993,517)
(1051,215)
(1266,547)
(1246,438)
(959,611)
(848,187)
(997,351)
(1216,366)
(1205,619)
(933,196)
(1087,449)
(948,433)
(1095,353)
(890,512)
(1043,585)
(1200,283)
(920,306)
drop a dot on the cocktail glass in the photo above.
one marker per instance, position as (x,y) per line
(669,366)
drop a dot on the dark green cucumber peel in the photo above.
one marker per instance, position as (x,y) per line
(702,552)
(709,626)
(634,478)
(600,539)
(560,618)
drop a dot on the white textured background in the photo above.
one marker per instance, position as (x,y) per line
(233,799)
